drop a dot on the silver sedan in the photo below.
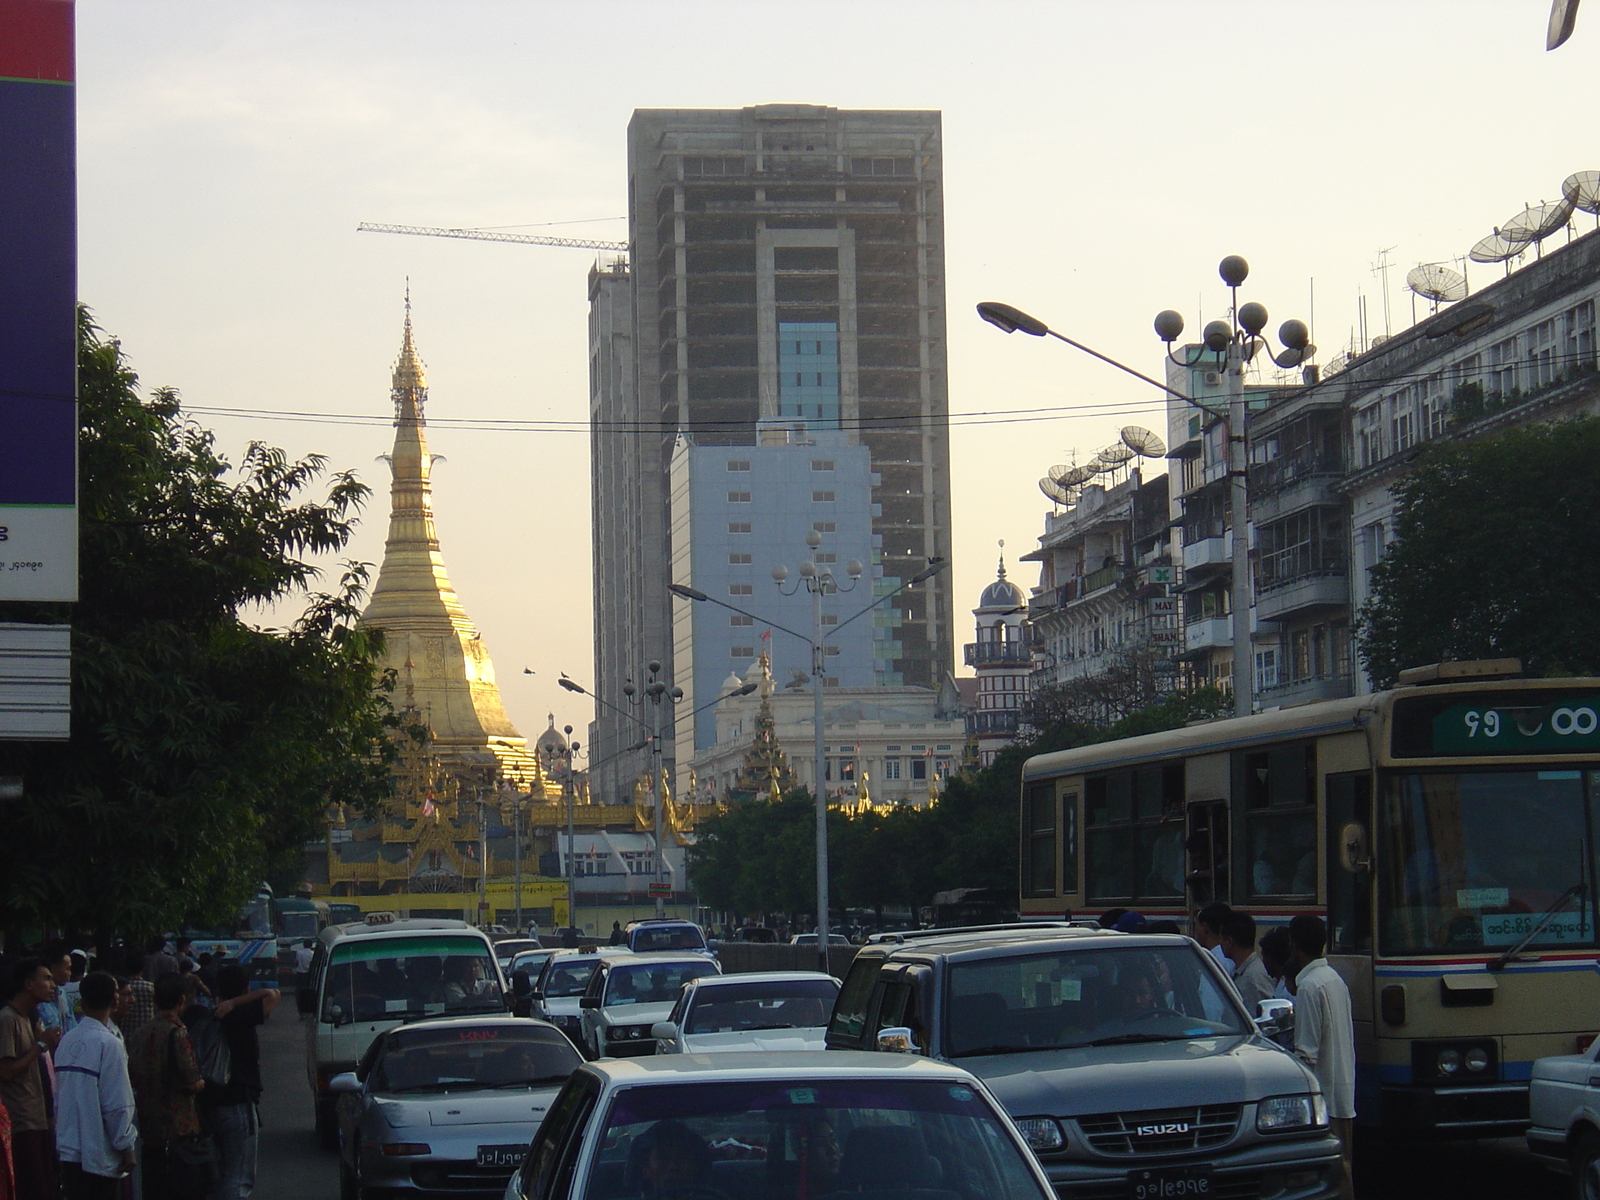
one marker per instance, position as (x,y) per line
(447,1105)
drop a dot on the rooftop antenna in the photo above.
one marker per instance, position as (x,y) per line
(1436,283)
(1381,270)
(1582,190)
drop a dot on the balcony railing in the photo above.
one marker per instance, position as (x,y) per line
(994,722)
(1281,473)
(986,654)
(1284,567)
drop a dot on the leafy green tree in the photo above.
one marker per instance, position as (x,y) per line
(1493,556)
(204,749)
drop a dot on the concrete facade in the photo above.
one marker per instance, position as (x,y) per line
(787,262)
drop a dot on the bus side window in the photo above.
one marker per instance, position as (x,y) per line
(1349,892)
(1277,822)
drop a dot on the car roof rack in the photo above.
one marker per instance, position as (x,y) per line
(898,936)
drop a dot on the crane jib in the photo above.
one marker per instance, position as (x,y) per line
(491,235)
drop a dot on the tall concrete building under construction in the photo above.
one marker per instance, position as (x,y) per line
(787,266)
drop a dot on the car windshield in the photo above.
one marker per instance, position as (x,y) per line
(395,978)
(667,937)
(473,1057)
(298,925)
(1086,997)
(653,983)
(928,1139)
(530,961)
(739,1007)
(1474,861)
(567,976)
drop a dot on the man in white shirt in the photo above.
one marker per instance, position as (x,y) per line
(1250,976)
(1208,932)
(1324,1037)
(95,1131)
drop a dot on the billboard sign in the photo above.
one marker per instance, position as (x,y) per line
(38,303)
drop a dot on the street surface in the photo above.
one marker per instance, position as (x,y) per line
(294,1167)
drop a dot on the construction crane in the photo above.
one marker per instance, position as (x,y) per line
(491,235)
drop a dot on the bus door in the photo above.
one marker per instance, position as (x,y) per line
(1349,866)
(1207,843)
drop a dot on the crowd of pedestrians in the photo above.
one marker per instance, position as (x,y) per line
(133,1075)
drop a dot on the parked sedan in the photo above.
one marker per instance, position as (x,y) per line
(766,1010)
(447,1105)
(746,1125)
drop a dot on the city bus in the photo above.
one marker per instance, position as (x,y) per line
(299,919)
(1446,831)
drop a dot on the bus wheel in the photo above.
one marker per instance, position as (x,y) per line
(1586,1168)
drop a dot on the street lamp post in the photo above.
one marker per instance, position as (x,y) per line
(655,691)
(818,581)
(1235,343)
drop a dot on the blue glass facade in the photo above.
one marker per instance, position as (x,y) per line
(808,372)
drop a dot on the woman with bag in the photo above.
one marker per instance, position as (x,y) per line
(180,1162)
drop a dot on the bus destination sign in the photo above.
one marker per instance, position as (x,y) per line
(1506,725)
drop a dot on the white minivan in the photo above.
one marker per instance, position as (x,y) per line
(369,977)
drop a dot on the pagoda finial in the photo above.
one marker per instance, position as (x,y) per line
(410,378)
(1002,572)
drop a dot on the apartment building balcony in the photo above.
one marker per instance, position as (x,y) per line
(1306,691)
(1208,633)
(1207,556)
(1288,485)
(1292,584)
(998,654)
(997,722)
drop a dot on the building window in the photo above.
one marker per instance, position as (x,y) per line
(738,497)
(741,589)
(742,652)
(741,619)
(825,557)
(830,681)
(1435,406)
(1403,424)
(823,526)
(822,464)
(739,560)
(738,526)
(830,651)
(1266,669)
(822,497)
(1369,435)
(1502,376)
(738,464)
(830,618)
(1543,367)
(891,768)
(1579,349)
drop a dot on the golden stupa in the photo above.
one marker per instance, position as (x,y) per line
(429,641)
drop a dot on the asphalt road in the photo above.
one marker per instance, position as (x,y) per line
(293,1167)
(290,1164)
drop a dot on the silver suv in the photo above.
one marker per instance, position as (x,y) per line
(1128,1062)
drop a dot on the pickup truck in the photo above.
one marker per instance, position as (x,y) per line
(1127,1061)
(1564,1104)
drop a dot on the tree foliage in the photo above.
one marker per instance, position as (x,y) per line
(760,856)
(204,749)
(1493,556)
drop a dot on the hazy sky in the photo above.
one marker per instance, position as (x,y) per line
(1100,158)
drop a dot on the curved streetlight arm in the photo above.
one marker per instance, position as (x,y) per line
(744,691)
(921,576)
(573,685)
(684,592)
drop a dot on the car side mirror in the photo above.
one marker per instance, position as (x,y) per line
(664,1031)
(520,985)
(1274,1016)
(347,1082)
(897,1039)
(305,1000)
(589,1002)
(536,996)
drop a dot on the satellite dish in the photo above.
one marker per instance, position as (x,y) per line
(1538,221)
(1582,191)
(1497,247)
(1143,442)
(1336,364)
(1075,477)
(1437,282)
(1052,490)
(1114,455)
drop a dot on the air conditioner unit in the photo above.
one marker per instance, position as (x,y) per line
(1212,379)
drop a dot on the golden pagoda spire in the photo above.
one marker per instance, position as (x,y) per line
(429,636)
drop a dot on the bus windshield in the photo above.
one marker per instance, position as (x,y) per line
(1474,861)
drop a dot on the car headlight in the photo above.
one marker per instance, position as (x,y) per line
(1041,1133)
(1477,1059)
(1277,1113)
(393,1113)
(1449,1061)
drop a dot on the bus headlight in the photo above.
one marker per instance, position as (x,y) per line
(1477,1060)
(1449,1061)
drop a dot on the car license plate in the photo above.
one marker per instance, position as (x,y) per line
(502,1156)
(1174,1183)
